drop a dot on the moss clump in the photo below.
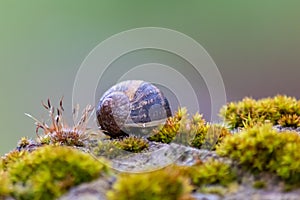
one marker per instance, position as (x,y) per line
(105,148)
(209,136)
(173,126)
(212,172)
(11,157)
(286,159)
(50,171)
(167,184)
(5,185)
(58,131)
(259,184)
(172,182)
(249,112)
(132,144)
(289,120)
(252,148)
(261,148)
(194,132)
(197,130)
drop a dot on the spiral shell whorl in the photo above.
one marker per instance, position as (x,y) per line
(113,112)
(131,103)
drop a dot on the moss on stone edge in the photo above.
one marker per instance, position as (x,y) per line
(132,144)
(171,129)
(50,171)
(192,131)
(5,185)
(281,109)
(167,184)
(209,136)
(261,148)
(172,182)
(211,172)
(10,158)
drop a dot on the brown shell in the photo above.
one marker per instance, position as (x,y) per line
(131,105)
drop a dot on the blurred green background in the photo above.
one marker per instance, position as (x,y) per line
(255,44)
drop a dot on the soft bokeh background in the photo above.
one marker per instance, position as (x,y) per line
(255,44)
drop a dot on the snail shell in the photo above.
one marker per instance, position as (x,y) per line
(131,107)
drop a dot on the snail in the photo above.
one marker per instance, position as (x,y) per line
(131,107)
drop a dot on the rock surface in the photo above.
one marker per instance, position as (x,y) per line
(161,155)
(95,190)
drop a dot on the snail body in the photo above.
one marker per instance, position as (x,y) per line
(130,107)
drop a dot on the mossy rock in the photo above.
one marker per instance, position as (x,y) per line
(167,184)
(5,185)
(262,148)
(194,131)
(281,109)
(50,171)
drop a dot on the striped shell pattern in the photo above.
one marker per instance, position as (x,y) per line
(131,106)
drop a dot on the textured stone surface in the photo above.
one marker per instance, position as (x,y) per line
(95,190)
(160,155)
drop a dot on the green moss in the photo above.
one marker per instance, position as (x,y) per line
(11,157)
(192,131)
(252,147)
(286,159)
(46,139)
(289,120)
(173,126)
(208,136)
(198,130)
(261,148)
(215,189)
(5,185)
(132,144)
(286,105)
(167,184)
(211,172)
(237,114)
(50,171)
(174,181)
(259,184)
(249,112)
(105,148)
